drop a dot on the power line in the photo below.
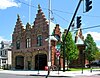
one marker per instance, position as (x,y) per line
(58,10)
(27,4)
(88,27)
(62,11)
(61,17)
(30,5)
(52,11)
(91,27)
(44,9)
(53,17)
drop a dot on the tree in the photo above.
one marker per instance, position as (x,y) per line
(70,48)
(91,48)
(97,56)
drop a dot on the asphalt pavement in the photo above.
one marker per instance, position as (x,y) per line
(52,73)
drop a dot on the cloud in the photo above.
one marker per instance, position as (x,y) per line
(5,40)
(4,4)
(98,47)
(95,35)
(2,39)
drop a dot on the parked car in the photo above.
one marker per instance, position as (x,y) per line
(94,64)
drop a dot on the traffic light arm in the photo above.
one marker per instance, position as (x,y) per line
(67,33)
(72,19)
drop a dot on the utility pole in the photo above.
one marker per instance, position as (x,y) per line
(49,54)
(29,11)
(67,33)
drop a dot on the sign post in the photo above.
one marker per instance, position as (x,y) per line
(58,55)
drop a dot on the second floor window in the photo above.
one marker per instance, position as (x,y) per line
(18,44)
(28,42)
(1,53)
(5,52)
(39,40)
(4,61)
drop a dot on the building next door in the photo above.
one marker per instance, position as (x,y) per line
(40,61)
(19,62)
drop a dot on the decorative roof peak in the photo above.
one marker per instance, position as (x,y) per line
(39,7)
(28,26)
(79,38)
(18,17)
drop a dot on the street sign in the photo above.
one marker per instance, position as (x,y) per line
(58,54)
(49,63)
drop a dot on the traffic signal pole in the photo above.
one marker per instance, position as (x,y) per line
(67,33)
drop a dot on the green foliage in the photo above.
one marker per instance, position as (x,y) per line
(91,48)
(70,47)
(97,56)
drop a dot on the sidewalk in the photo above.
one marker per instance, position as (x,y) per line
(52,73)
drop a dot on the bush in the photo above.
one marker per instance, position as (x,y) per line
(6,67)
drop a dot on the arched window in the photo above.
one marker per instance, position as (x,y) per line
(39,40)
(18,44)
(28,42)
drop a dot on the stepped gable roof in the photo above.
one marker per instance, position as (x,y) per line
(18,27)
(40,16)
(78,36)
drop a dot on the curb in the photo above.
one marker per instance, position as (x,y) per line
(49,75)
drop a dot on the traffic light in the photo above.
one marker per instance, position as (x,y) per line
(78,21)
(88,5)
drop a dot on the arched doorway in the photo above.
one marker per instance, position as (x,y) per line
(19,62)
(40,61)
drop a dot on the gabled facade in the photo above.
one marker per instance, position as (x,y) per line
(30,48)
(5,55)
(30,45)
(79,40)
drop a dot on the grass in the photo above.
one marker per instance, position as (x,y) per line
(79,69)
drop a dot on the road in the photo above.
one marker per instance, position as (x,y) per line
(92,76)
(2,75)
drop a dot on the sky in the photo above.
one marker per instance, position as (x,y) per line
(61,12)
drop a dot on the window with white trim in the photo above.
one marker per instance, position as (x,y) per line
(18,44)
(39,40)
(28,42)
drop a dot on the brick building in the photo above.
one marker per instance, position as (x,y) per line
(30,48)
(30,45)
(79,40)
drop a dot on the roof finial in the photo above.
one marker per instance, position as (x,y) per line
(39,6)
(18,17)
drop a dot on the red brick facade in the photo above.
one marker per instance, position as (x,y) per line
(26,46)
(30,45)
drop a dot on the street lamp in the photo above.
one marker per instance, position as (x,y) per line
(38,61)
(82,61)
(58,54)
(90,68)
(82,52)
